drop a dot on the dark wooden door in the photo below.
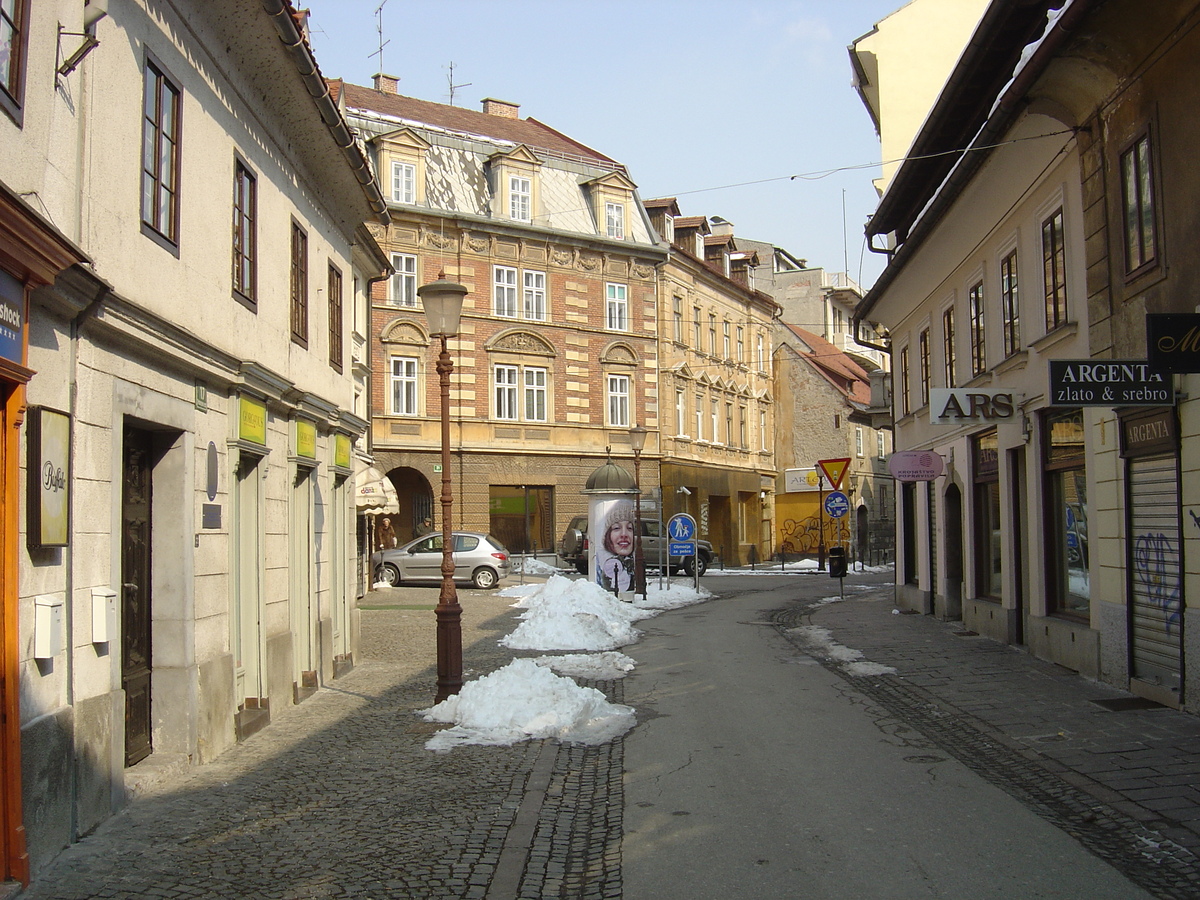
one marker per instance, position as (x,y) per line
(135,595)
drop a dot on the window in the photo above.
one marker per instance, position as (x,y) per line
(905,397)
(699,340)
(404,281)
(987,515)
(729,424)
(1054,270)
(504,293)
(712,335)
(535,395)
(13,17)
(741,344)
(616,307)
(742,442)
(614,220)
(680,414)
(1010,304)
(859,449)
(160,154)
(699,417)
(299,285)
(948,345)
(713,408)
(978,345)
(404,182)
(335,317)
(880,445)
(618,400)
(520,198)
(404,386)
(725,339)
(923,345)
(762,354)
(245,238)
(505,378)
(535,295)
(762,430)
(1068,584)
(1137,202)
(677,314)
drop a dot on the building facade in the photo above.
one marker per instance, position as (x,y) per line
(718,452)
(180,422)
(1062,520)
(557,355)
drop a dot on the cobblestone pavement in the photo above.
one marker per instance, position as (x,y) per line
(338,798)
(1125,783)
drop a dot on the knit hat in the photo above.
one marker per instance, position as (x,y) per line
(622,511)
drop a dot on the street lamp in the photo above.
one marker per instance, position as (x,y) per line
(637,439)
(443,302)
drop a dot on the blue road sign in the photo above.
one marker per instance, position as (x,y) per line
(837,504)
(682,527)
(682,548)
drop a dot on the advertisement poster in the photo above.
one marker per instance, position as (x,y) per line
(49,477)
(613,523)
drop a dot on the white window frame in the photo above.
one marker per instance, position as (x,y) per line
(617,394)
(404,381)
(520,198)
(762,356)
(714,412)
(860,449)
(680,413)
(504,291)
(762,430)
(725,345)
(740,335)
(504,392)
(403,283)
(614,220)
(699,417)
(404,182)
(616,306)
(677,312)
(535,380)
(881,444)
(534,294)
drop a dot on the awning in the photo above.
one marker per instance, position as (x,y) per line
(374,493)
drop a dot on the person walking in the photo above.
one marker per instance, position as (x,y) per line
(387,534)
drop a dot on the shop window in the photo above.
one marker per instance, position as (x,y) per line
(1068,585)
(986,458)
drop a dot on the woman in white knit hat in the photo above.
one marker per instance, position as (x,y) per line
(614,557)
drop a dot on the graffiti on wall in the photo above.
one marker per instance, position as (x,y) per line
(804,535)
(1154,568)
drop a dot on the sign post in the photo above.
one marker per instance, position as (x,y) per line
(837,505)
(682,533)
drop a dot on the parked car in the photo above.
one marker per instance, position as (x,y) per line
(574,548)
(478,558)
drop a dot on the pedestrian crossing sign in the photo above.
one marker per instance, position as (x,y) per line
(834,469)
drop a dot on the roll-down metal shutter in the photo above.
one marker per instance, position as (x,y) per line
(1156,571)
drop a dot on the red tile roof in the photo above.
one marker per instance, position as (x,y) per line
(837,366)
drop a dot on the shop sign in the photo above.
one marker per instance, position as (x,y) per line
(1149,432)
(799,480)
(49,478)
(306,439)
(252,420)
(915,465)
(1109,382)
(12,318)
(958,406)
(1173,341)
(341,451)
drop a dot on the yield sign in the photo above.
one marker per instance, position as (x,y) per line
(834,469)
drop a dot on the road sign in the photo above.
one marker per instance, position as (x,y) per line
(682,527)
(837,504)
(834,469)
(682,548)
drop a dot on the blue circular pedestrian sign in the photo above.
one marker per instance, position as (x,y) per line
(837,504)
(682,527)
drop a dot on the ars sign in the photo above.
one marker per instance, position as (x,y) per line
(954,406)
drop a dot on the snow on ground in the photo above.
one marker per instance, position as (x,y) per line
(820,640)
(527,700)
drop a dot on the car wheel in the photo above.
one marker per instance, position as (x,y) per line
(387,574)
(581,566)
(697,562)
(485,578)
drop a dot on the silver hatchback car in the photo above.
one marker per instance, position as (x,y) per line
(478,558)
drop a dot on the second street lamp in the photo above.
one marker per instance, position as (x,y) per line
(443,302)
(637,439)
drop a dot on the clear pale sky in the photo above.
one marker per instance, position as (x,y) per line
(699,99)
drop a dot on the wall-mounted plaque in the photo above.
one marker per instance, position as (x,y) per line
(49,478)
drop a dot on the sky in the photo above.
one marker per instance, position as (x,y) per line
(533,698)
(738,110)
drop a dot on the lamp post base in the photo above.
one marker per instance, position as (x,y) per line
(449,642)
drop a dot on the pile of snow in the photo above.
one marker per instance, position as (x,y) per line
(850,661)
(531,565)
(606,666)
(524,701)
(574,615)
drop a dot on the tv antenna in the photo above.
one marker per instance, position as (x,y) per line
(379,29)
(450,80)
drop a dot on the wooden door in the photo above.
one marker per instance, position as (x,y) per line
(135,595)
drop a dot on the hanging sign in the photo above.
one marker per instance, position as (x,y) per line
(915,465)
(1173,341)
(834,469)
(1109,382)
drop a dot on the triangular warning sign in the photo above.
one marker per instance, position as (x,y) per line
(834,469)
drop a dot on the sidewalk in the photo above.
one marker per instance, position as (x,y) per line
(1121,775)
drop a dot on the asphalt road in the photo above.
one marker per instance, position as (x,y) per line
(757,772)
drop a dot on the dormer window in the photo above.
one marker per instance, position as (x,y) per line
(520,198)
(401,161)
(614,219)
(404,182)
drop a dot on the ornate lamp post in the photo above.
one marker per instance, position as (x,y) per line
(637,438)
(443,306)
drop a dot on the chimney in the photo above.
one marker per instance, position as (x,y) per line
(501,108)
(387,84)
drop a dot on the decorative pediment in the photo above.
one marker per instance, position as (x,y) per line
(682,370)
(402,139)
(523,342)
(404,331)
(705,378)
(613,180)
(619,354)
(519,154)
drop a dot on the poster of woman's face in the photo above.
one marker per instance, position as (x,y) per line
(614,524)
